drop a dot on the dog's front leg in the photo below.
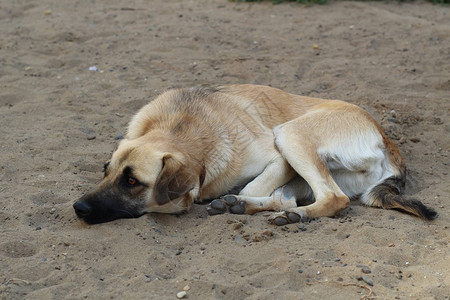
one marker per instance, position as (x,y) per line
(259,194)
(277,173)
(237,204)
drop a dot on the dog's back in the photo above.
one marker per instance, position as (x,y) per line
(226,129)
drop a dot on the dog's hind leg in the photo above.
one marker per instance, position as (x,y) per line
(299,146)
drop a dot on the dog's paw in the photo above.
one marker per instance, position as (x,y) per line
(228,203)
(234,205)
(216,207)
(287,217)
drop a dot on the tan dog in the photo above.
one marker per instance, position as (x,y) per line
(270,149)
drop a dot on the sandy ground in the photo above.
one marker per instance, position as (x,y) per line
(60,122)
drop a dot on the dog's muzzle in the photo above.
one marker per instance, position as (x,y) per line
(104,206)
(82,209)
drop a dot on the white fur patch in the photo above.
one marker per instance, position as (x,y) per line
(359,164)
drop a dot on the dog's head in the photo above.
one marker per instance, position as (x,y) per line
(141,177)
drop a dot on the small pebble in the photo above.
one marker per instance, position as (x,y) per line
(366,280)
(392,120)
(300,271)
(240,240)
(366,270)
(181,294)
(237,226)
(91,137)
(391,245)
(301,227)
(268,233)
(186,288)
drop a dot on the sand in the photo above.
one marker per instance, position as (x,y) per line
(60,122)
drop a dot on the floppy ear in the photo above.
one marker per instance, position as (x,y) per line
(174,181)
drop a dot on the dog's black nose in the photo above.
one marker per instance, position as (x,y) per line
(82,209)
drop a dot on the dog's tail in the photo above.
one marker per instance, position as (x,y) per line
(387,194)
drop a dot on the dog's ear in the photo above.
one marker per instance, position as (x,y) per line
(174,181)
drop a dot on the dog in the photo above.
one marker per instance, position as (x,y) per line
(247,149)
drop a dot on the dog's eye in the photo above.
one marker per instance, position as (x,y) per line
(132,181)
